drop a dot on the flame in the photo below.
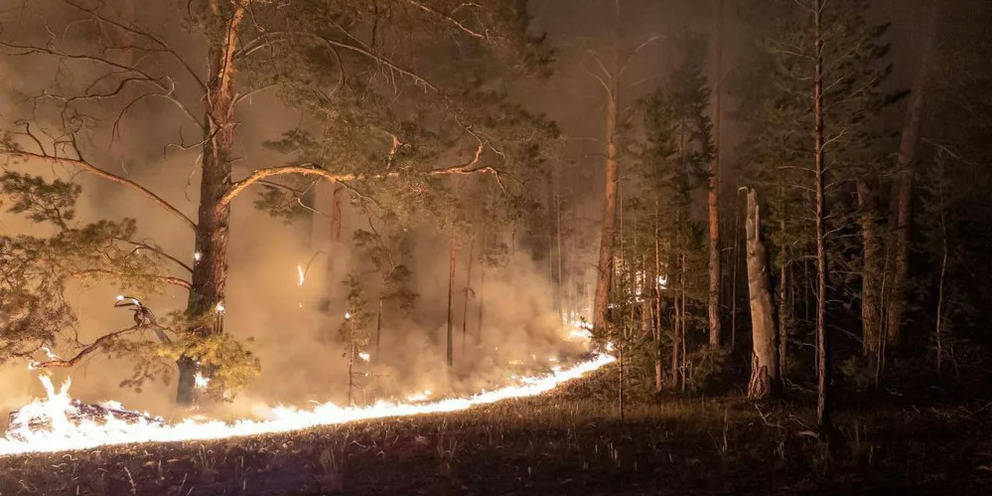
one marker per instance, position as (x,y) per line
(364,356)
(299,272)
(62,434)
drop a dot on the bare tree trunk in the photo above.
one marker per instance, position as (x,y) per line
(943,272)
(902,195)
(823,396)
(658,288)
(604,267)
(764,361)
(561,280)
(482,300)
(713,200)
(378,321)
(351,368)
(682,366)
(468,289)
(453,254)
(783,297)
(872,333)
(209,279)
(676,325)
(734,283)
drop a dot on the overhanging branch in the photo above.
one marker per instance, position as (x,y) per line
(89,349)
(96,171)
(312,169)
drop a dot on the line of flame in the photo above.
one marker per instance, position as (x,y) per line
(66,435)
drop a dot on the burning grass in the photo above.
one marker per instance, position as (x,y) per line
(568,442)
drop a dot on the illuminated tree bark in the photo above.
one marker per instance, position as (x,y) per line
(206,294)
(604,268)
(764,360)
(713,197)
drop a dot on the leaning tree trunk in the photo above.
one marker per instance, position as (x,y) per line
(207,286)
(902,195)
(764,360)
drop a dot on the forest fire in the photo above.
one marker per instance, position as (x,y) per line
(59,423)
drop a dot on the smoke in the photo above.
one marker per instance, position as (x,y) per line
(293,335)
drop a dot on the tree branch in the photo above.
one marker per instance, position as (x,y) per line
(312,169)
(175,281)
(96,171)
(88,349)
(451,20)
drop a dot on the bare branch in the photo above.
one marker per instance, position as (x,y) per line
(90,349)
(174,281)
(448,18)
(145,246)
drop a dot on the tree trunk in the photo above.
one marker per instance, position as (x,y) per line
(604,276)
(453,253)
(734,283)
(683,370)
(871,273)
(378,320)
(823,396)
(658,318)
(783,296)
(764,361)
(482,301)
(468,289)
(713,200)
(902,195)
(207,285)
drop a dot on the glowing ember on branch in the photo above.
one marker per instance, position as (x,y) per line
(64,427)
(220,308)
(364,356)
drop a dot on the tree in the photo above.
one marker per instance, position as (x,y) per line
(252,46)
(814,114)
(672,163)
(713,195)
(765,379)
(610,79)
(902,188)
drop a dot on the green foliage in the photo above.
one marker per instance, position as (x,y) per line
(354,330)
(227,362)
(37,269)
(774,90)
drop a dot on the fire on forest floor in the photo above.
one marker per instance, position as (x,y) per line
(570,441)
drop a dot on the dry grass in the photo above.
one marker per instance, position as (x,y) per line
(570,442)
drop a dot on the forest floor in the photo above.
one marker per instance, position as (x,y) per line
(569,442)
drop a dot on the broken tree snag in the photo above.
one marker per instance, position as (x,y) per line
(764,362)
